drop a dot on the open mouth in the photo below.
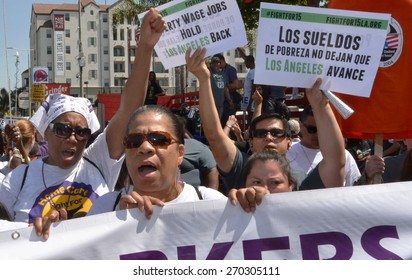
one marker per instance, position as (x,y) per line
(146,169)
(69,153)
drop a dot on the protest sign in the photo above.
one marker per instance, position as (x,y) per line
(214,24)
(296,45)
(38,92)
(345,223)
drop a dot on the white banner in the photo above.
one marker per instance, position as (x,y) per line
(59,46)
(213,24)
(296,45)
(364,222)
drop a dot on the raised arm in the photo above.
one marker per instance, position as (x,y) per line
(222,147)
(331,142)
(135,89)
(257,97)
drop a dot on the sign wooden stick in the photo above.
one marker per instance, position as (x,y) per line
(377,179)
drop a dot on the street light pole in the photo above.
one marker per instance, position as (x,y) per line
(87,89)
(7,60)
(17,80)
(81,56)
(30,73)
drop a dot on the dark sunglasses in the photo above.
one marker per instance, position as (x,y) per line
(276,133)
(158,139)
(65,131)
(311,129)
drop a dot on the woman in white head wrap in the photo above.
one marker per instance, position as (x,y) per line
(65,184)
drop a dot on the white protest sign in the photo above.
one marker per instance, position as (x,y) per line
(213,24)
(296,45)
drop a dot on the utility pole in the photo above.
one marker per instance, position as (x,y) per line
(30,73)
(7,60)
(81,55)
(17,82)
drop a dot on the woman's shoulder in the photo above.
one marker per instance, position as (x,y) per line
(203,193)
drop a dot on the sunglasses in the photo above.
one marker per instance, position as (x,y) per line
(158,139)
(65,131)
(310,128)
(276,133)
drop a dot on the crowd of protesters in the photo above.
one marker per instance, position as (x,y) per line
(135,161)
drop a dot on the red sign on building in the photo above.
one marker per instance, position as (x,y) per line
(58,22)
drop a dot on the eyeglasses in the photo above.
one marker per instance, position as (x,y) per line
(310,128)
(276,133)
(65,131)
(158,139)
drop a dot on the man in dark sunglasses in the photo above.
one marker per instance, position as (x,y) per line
(306,155)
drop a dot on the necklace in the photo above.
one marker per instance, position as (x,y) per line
(50,199)
(45,187)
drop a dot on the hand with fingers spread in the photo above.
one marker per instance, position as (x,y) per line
(42,224)
(196,64)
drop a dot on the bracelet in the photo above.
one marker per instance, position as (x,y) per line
(229,126)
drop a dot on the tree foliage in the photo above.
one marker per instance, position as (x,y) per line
(129,9)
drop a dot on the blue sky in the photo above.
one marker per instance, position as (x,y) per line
(16,23)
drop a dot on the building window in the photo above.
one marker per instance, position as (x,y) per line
(67,49)
(48,33)
(92,57)
(122,34)
(92,25)
(69,81)
(106,82)
(106,66)
(132,51)
(92,74)
(92,41)
(158,68)
(49,50)
(105,18)
(129,21)
(68,66)
(50,67)
(91,12)
(67,17)
(67,31)
(105,50)
(114,34)
(118,51)
(119,67)
(105,34)
(164,82)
